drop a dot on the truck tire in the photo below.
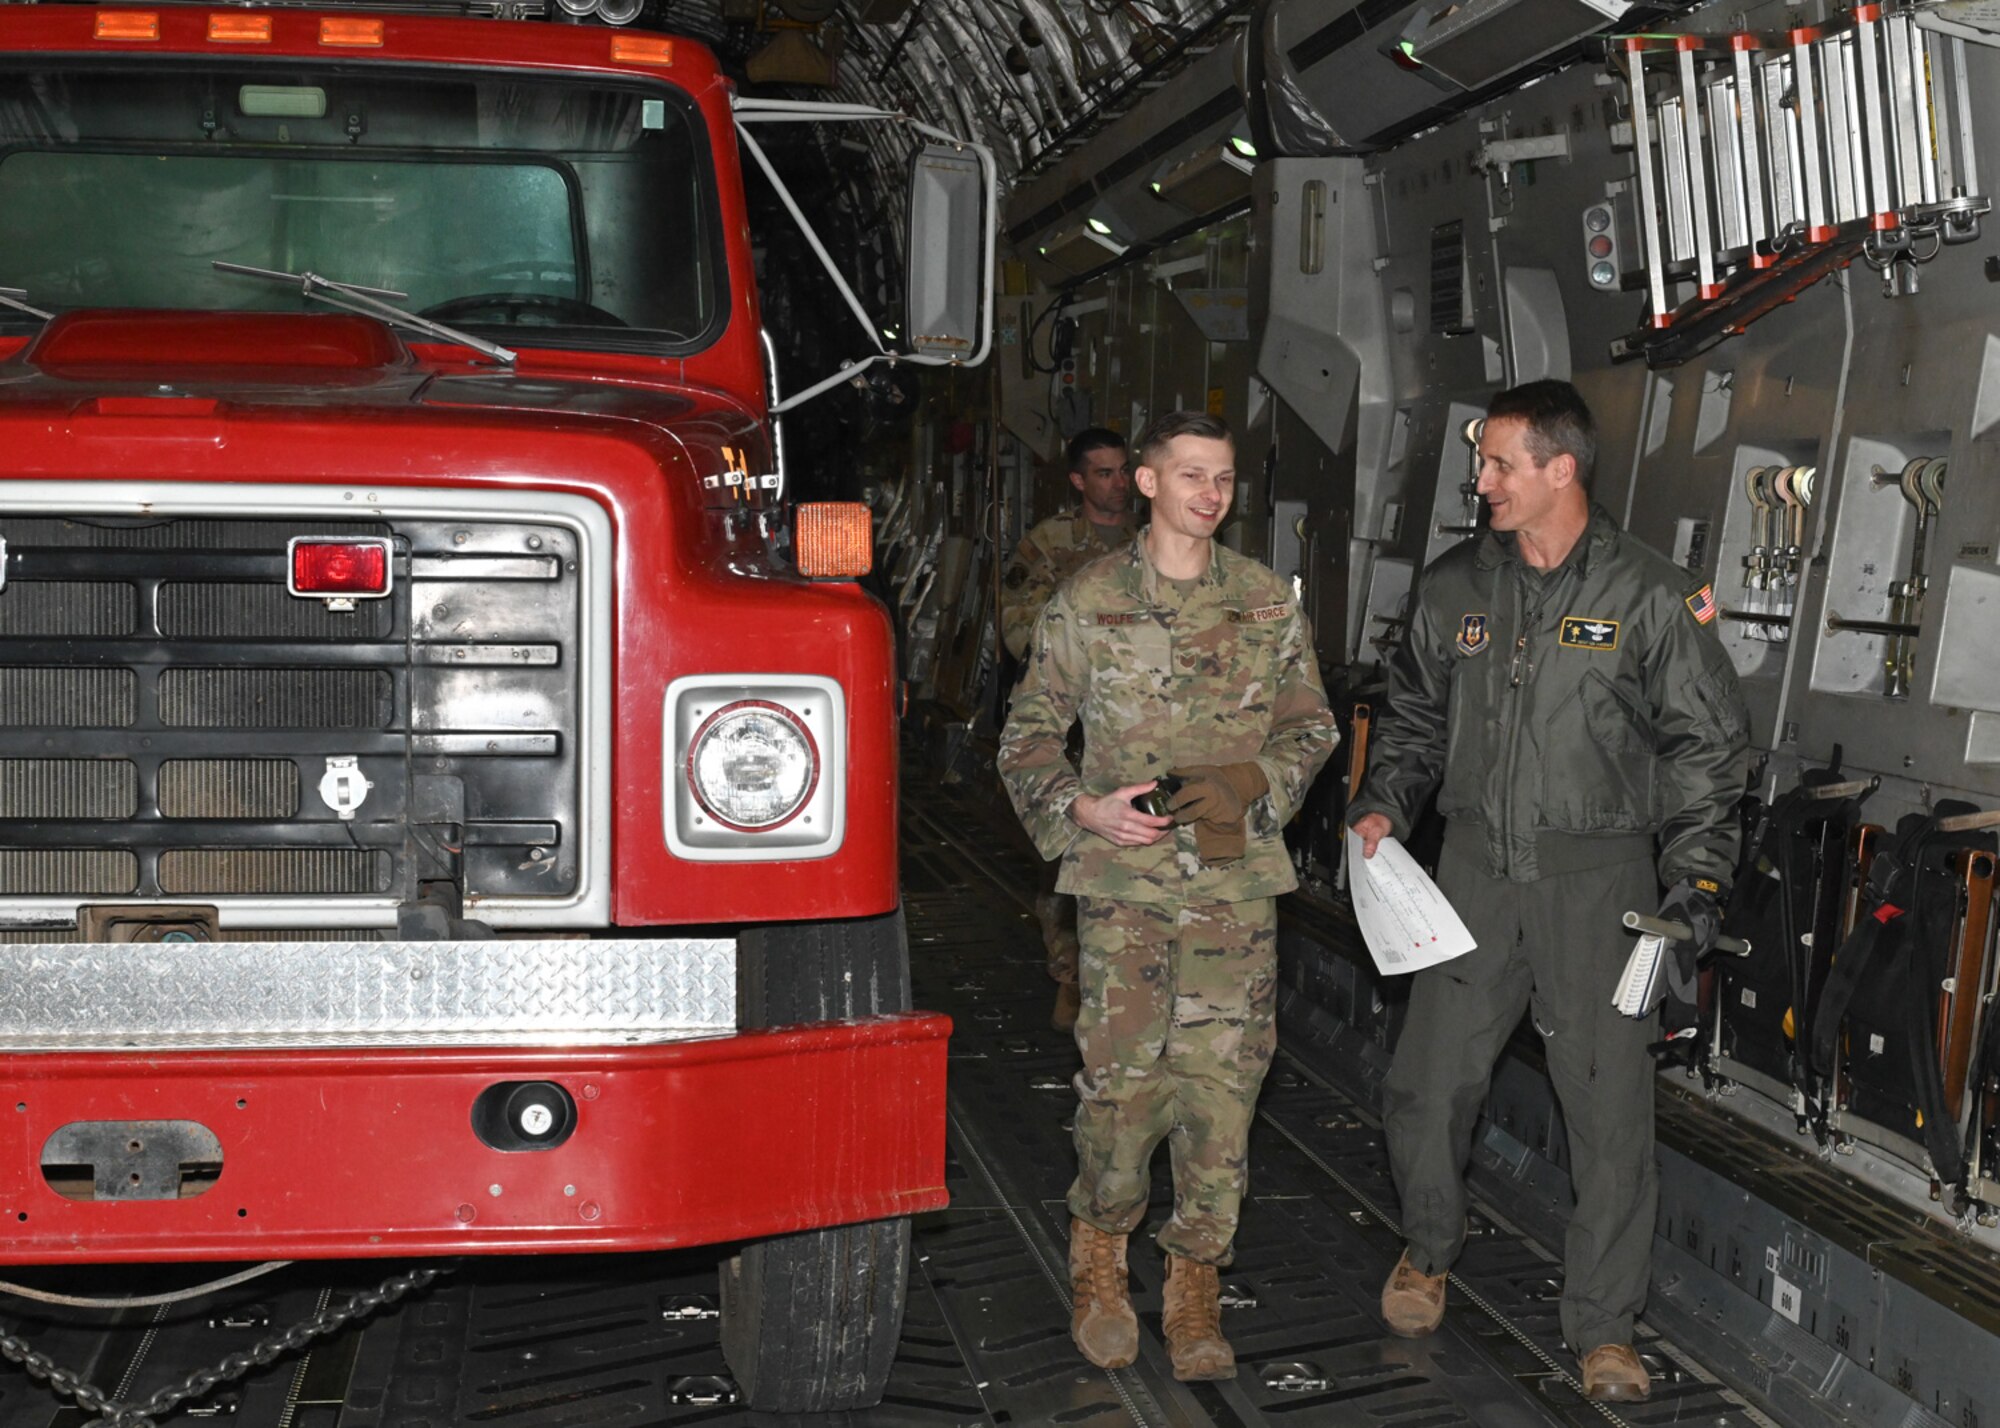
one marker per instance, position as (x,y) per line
(810,1321)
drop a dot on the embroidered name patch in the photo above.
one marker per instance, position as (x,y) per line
(1472,636)
(1701,605)
(1584,632)
(1260,615)
(1129,617)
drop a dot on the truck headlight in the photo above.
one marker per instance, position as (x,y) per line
(752,764)
(753,767)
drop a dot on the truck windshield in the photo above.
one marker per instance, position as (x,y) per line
(499,200)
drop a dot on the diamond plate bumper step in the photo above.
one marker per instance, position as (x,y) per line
(103,996)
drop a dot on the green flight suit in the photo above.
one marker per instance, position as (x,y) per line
(1585,733)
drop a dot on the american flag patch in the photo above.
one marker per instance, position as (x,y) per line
(1701,605)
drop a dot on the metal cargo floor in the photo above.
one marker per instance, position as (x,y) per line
(562,1342)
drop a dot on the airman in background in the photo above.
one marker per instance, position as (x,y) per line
(1051,552)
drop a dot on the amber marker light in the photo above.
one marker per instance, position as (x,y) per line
(239,29)
(128,25)
(350,32)
(642,49)
(834,540)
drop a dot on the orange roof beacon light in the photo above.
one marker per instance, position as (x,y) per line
(128,25)
(239,29)
(350,32)
(833,540)
(642,49)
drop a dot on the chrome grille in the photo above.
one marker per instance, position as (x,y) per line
(175,724)
(217,872)
(68,698)
(98,871)
(229,788)
(276,698)
(68,788)
(68,607)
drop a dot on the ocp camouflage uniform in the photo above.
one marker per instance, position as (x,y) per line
(1051,552)
(1179,959)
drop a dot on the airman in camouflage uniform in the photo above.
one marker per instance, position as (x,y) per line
(1179,656)
(1049,554)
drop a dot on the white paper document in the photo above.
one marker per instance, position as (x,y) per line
(1405,920)
(1640,986)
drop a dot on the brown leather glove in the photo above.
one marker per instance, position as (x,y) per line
(1218,793)
(1215,798)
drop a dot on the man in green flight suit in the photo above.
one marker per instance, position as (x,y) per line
(1051,552)
(1180,657)
(1561,686)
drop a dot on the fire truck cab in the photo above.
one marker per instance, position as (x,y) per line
(447,791)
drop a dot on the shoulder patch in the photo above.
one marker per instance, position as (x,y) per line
(1588,632)
(1702,606)
(1261,615)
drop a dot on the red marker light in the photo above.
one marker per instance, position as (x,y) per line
(350,568)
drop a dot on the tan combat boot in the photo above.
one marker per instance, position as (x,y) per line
(1191,1314)
(1612,1373)
(1412,1301)
(1103,1325)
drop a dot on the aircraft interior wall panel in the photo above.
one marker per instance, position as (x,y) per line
(1910,398)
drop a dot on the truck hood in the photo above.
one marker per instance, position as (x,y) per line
(348,369)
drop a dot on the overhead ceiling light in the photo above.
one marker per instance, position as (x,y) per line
(1081,247)
(1216,178)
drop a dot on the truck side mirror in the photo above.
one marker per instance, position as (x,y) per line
(944,256)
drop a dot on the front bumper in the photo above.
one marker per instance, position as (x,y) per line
(359,1152)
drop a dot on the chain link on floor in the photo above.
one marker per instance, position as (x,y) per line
(110,1413)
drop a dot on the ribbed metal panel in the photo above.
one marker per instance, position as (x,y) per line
(190,611)
(186,871)
(229,788)
(67,870)
(80,608)
(68,788)
(68,698)
(275,698)
(177,534)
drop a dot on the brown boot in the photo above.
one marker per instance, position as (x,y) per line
(1103,1324)
(1069,1001)
(1412,1301)
(1191,1314)
(1612,1373)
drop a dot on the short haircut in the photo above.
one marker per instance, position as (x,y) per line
(1163,429)
(1091,438)
(1559,424)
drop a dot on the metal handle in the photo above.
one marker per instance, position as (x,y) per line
(1681,932)
(1836,624)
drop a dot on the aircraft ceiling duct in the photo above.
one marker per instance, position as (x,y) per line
(1212,180)
(1484,40)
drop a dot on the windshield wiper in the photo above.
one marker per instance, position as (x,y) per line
(16,298)
(369,302)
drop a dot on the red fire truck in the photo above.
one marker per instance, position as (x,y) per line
(447,791)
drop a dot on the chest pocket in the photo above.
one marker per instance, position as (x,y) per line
(1597,761)
(1130,660)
